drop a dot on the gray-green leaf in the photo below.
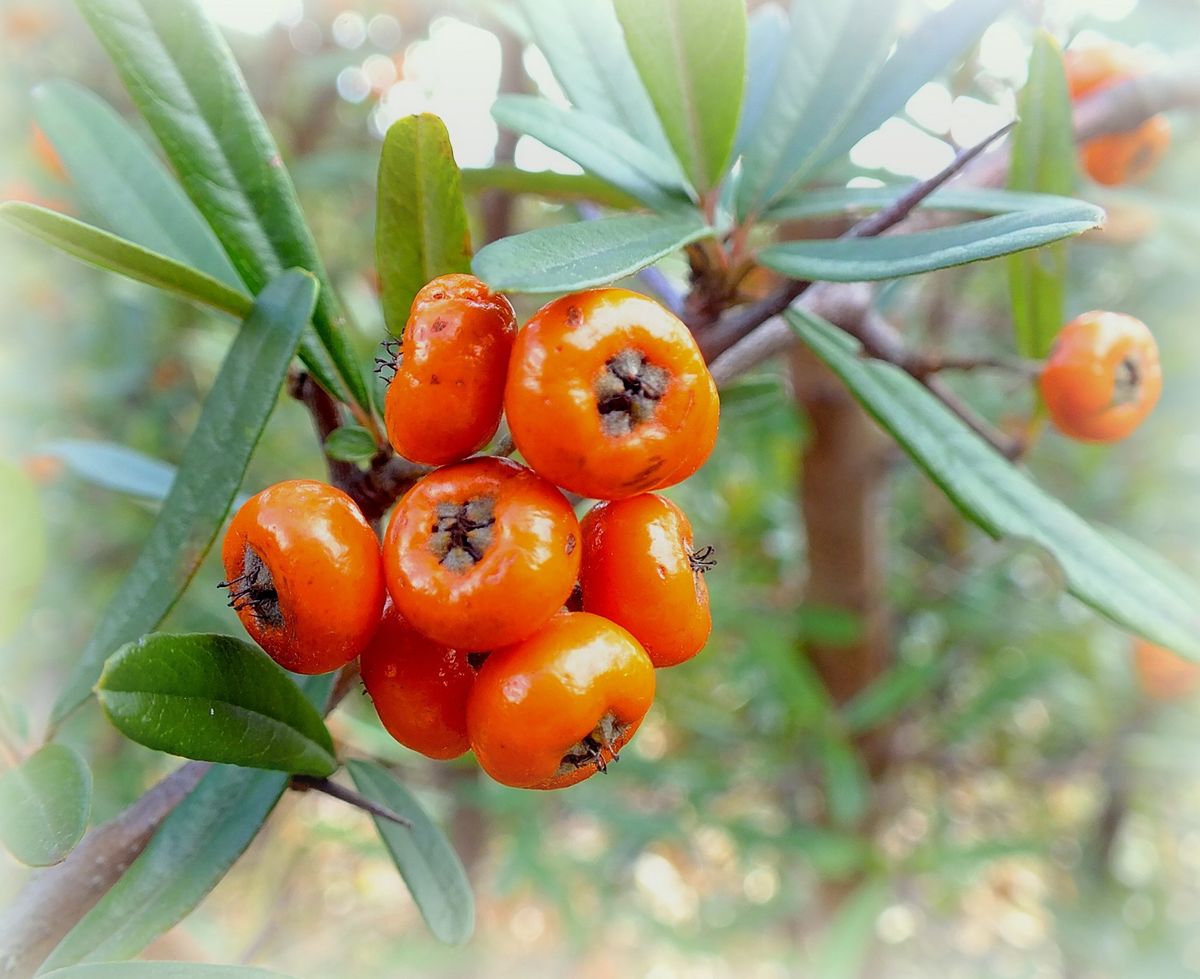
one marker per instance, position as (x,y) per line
(1002,500)
(892,256)
(587,253)
(210,472)
(1043,159)
(430,867)
(161,970)
(691,56)
(214,698)
(122,182)
(421,228)
(44,805)
(115,254)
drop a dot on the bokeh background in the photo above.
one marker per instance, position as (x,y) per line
(1038,815)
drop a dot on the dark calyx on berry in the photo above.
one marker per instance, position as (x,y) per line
(590,750)
(254,589)
(628,391)
(463,532)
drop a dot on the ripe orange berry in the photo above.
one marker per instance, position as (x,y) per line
(1162,674)
(558,707)
(481,554)
(304,575)
(419,688)
(1115,158)
(608,395)
(445,400)
(1102,378)
(639,570)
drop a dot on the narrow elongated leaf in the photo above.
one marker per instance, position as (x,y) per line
(214,698)
(192,850)
(586,50)
(24,544)
(766,44)
(691,56)
(122,183)
(588,253)
(892,256)
(545,183)
(899,687)
(1043,159)
(920,56)
(845,945)
(838,200)
(44,805)
(421,224)
(210,472)
(184,80)
(114,467)
(161,970)
(834,50)
(599,147)
(118,255)
(1004,501)
(847,785)
(430,867)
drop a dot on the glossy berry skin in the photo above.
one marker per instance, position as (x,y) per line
(555,709)
(1162,674)
(639,569)
(1115,158)
(419,688)
(608,395)
(1102,377)
(445,399)
(481,554)
(305,575)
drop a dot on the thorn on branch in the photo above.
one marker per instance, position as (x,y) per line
(308,783)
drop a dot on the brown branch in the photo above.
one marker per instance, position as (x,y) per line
(307,783)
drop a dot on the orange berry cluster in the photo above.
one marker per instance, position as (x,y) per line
(512,629)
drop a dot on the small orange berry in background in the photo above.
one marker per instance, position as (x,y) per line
(608,395)
(1162,674)
(1102,377)
(445,400)
(46,154)
(481,554)
(419,688)
(1115,158)
(640,570)
(557,708)
(304,575)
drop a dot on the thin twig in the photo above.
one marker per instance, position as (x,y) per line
(306,783)
(731,328)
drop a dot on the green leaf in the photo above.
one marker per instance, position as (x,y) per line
(161,970)
(588,253)
(847,785)
(545,183)
(214,698)
(838,200)
(114,467)
(1001,692)
(44,805)
(210,472)
(586,50)
(120,180)
(430,867)
(892,256)
(1002,500)
(115,254)
(766,45)
(599,147)
(898,688)
(23,542)
(691,56)
(833,52)
(846,943)
(351,444)
(936,43)
(184,80)
(1043,159)
(421,228)
(193,849)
